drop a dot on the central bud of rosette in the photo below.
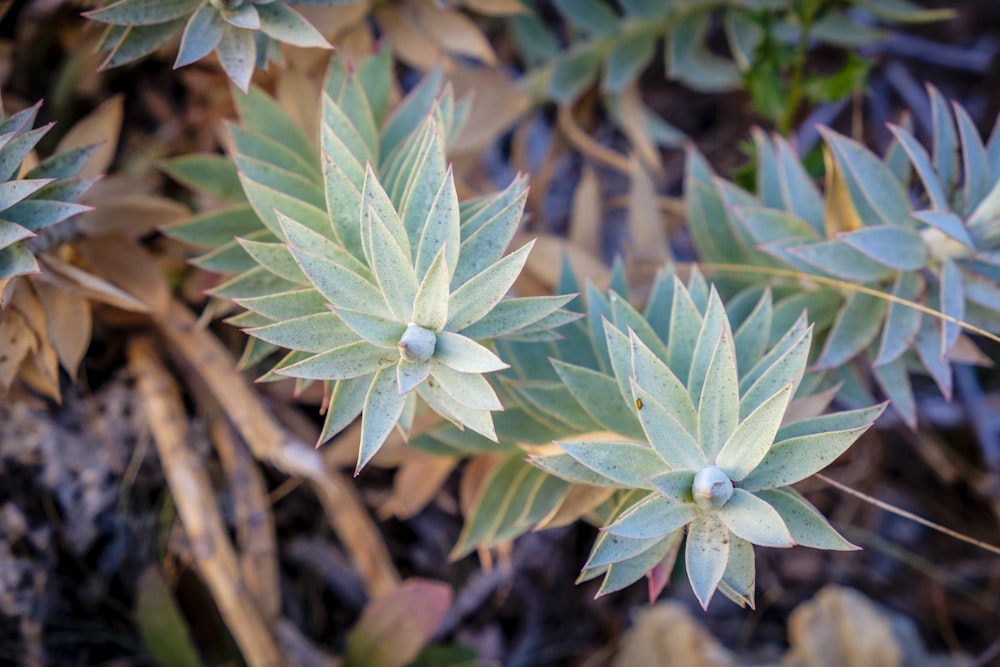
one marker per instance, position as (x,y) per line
(417,344)
(712,488)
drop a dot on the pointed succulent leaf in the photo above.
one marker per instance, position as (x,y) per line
(841,260)
(668,436)
(341,286)
(344,406)
(855,327)
(376,330)
(237,54)
(788,368)
(902,321)
(440,228)
(719,405)
(143,12)
(807,526)
(945,139)
(740,578)
(244,16)
(685,323)
(409,374)
(316,333)
(658,381)
(836,421)
(975,163)
(610,548)
(469,389)
(392,268)
(430,305)
(752,439)
(715,324)
(754,520)
(896,247)
(706,556)
(201,35)
(675,484)
(465,355)
(480,421)
(383,407)
(624,462)
(568,468)
(281,22)
(473,300)
(751,338)
(654,517)
(794,459)
(591,390)
(510,316)
(625,573)
(343,363)
(952,304)
(922,163)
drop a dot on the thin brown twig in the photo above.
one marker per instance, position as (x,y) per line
(586,145)
(192,492)
(892,509)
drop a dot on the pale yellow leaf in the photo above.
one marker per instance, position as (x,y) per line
(297,91)
(69,322)
(357,43)
(586,216)
(842,628)
(40,372)
(667,634)
(26,303)
(455,32)
(333,21)
(132,214)
(101,126)
(840,214)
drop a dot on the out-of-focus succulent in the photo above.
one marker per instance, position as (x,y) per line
(705,441)
(32,200)
(242,33)
(936,245)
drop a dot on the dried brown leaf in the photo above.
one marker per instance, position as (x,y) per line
(840,214)
(418,480)
(88,285)
(40,372)
(645,218)
(128,265)
(101,126)
(412,45)
(395,626)
(497,103)
(579,502)
(131,214)
(474,475)
(496,7)
(68,321)
(16,342)
(454,32)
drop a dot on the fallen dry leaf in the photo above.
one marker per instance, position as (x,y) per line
(101,126)
(667,634)
(587,215)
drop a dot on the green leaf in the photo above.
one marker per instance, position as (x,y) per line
(855,327)
(668,436)
(276,258)
(625,573)
(796,458)
(286,305)
(568,468)
(902,321)
(895,247)
(318,332)
(596,393)
(345,405)
(807,526)
(739,579)
(392,268)
(343,363)
(690,62)
(143,12)
(512,315)
(610,548)
(165,634)
(975,163)
(752,439)
(655,516)
(465,355)
(751,337)
(372,328)
(706,556)
(237,52)
(281,22)
(952,303)
(574,72)
(754,520)
(685,324)
(209,173)
(676,484)
(715,324)
(591,16)
(785,367)
(201,35)
(430,305)
(627,60)
(383,407)
(440,227)
(945,139)
(719,405)
(341,286)
(244,16)
(922,162)
(837,421)
(473,300)
(480,421)
(627,463)
(658,381)
(841,260)
(469,389)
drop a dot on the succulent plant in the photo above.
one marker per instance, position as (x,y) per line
(32,201)
(368,269)
(706,441)
(935,245)
(240,32)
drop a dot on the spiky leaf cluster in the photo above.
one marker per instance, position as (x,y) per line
(705,440)
(933,241)
(375,277)
(32,201)
(242,33)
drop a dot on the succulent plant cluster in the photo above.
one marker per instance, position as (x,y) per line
(33,200)
(701,438)
(242,33)
(930,241)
